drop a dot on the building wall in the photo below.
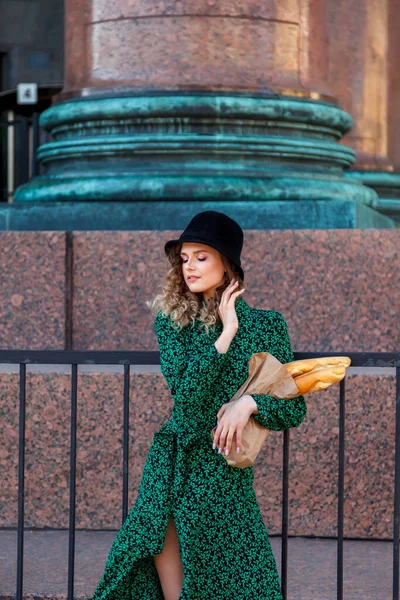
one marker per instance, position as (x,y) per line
(31,41)
(337,291)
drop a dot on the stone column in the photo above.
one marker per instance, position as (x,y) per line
(237,46)
(394,85)
(364,65)
(387,182)
(185,104)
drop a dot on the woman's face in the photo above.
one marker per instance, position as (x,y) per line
(202,268)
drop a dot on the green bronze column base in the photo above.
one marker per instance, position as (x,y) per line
(387,186)
(272,152)
(161,214)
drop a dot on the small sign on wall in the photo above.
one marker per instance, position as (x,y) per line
(27,93)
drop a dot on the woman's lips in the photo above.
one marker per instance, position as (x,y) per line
(192,278)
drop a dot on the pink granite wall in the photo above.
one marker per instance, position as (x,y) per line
(335,288)
(369,463)
(338,291)
(32,290)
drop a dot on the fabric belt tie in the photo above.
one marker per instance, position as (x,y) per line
(182,442)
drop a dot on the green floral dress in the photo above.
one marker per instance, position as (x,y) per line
(224,544)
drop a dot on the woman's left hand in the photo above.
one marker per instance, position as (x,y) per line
(232,418)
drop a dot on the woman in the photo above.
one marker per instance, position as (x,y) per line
(196,531)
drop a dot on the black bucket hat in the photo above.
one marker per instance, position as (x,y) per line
(216,230)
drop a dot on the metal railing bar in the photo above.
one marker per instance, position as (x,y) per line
(152,357)
(125,468)
(285,514)
(21,482)
(341,491)
(81,357)
(358,359)
(72,483)
(396,493)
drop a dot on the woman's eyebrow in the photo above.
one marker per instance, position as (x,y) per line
(195,252)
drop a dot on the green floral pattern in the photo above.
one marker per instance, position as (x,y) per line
(224,544)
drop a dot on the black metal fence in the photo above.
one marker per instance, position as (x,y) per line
(75,358)
(20,138)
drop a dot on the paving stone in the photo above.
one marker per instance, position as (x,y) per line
(311,565)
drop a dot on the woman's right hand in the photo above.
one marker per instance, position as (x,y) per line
(226,307)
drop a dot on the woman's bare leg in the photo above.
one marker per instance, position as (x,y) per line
(169,565)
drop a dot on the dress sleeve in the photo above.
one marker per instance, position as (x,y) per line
(189,374)
(273,413)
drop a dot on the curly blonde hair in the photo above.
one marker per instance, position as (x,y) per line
(183,306)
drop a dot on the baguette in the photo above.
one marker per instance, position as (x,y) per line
(319,378)
(300,367)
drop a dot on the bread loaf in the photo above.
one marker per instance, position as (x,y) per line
(319,378)
(299,367)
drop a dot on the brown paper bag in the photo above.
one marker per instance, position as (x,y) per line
(267,375)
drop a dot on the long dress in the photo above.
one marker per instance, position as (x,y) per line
(224,545)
